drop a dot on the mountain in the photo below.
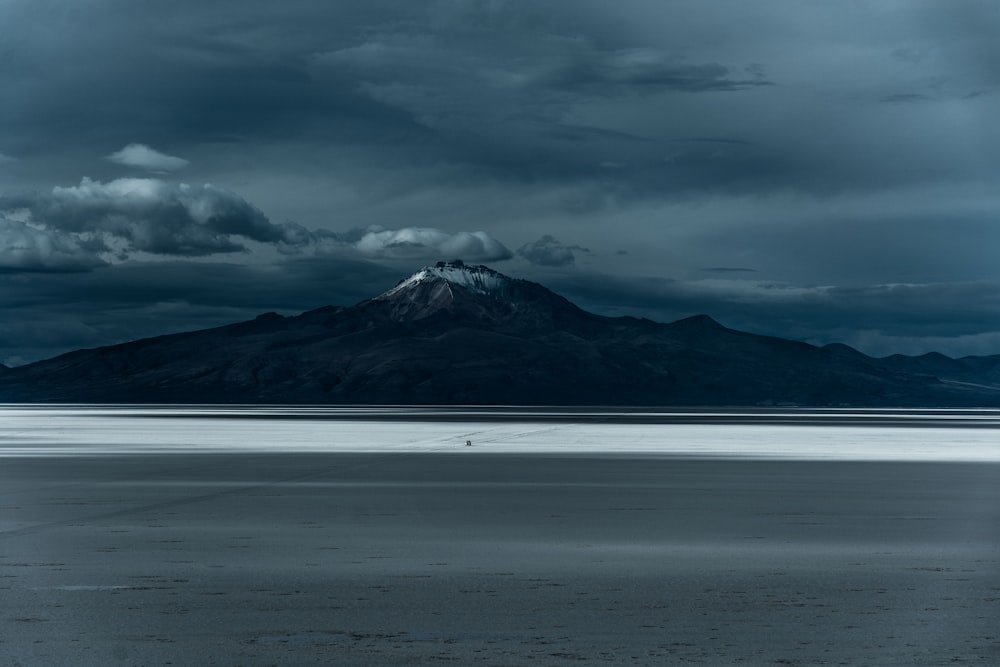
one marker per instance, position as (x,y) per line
(458,334)
(966,369)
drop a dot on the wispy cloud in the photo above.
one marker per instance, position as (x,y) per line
(144,157)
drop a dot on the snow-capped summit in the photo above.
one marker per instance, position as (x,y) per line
(477,279)
(471,293)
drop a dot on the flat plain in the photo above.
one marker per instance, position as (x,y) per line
(432,551)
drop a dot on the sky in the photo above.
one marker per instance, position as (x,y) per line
(819,171)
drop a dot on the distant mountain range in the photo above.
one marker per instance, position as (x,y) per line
(458,334)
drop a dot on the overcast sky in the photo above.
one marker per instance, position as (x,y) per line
(824,171)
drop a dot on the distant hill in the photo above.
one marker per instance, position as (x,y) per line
(458,334)
(966,369)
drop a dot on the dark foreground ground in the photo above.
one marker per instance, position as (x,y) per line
(472,558)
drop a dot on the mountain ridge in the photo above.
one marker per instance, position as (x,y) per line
(458,334)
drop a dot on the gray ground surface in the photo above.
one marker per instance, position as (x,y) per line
(472,558)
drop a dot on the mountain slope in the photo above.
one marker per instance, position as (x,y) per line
(457,334)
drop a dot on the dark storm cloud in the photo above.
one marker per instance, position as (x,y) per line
(29,249)
(488,85)
(504,107)
(229,72)
(491,86)
(146,215)
(547,251)
(397,96)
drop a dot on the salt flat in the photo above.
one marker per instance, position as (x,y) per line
(902,435)
(124,544)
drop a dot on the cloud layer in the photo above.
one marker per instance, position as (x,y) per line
(430,244)
(81,227)
(148,215)
(29,249)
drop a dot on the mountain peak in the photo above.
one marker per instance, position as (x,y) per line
(698,321)
(478,279)
(475,294)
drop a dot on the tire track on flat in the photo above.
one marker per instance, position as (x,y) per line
(176,502)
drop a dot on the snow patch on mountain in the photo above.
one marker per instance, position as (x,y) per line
(477,279)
